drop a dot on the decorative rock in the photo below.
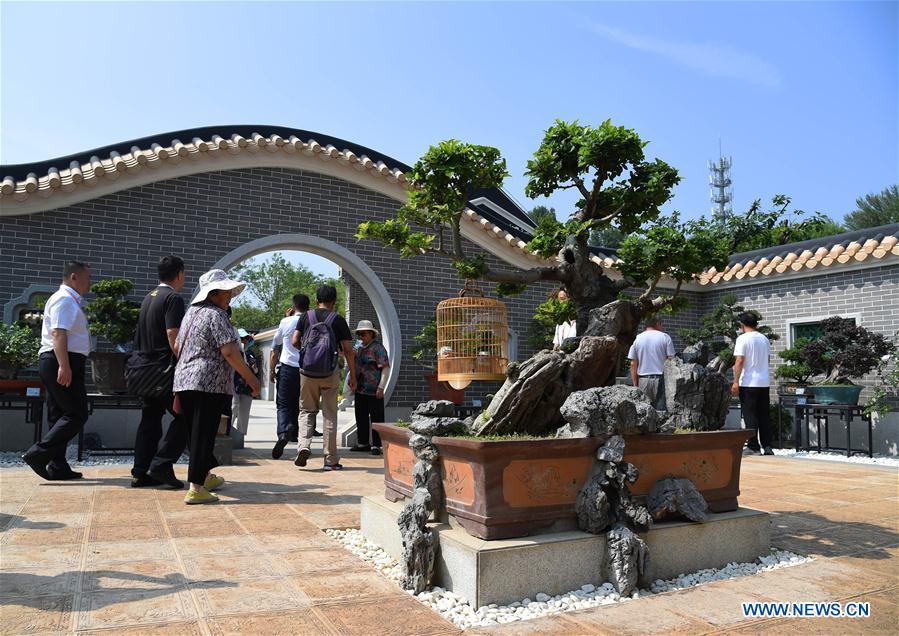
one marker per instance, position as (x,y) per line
(627,558)
(676,497)
(593,363)
(435,408)
(697,398)
(542,598)
(594,513)
(610,410)
(433,426)
(696,354)
(612,450)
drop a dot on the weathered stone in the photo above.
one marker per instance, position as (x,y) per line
(435,408)
(570,345)
(698,398)
(422,448)
(419,543)
(628,557)
(426,476)
(678,498)
(569,432)
(594,514)
(633,514)
(696,354)
(612,450)
(610,410)
(529,400)
(435,426)
(593,364)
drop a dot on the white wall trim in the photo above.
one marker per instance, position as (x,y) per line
(24,298)
(354,266)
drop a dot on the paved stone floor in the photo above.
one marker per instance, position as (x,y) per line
(98,557)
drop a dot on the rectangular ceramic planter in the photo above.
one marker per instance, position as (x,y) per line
(500,490)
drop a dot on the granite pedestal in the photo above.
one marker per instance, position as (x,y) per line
(505,571)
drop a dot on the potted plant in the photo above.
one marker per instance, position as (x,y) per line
(795,372)
(113,317)
(18,349)
(844,351)
(424,352)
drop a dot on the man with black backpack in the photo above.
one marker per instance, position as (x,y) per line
(318,336)
(154,346)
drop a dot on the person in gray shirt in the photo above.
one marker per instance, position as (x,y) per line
(647,355)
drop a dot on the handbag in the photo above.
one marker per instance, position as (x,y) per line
(150,374)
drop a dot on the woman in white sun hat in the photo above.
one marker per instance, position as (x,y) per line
(372,368)
(208,354)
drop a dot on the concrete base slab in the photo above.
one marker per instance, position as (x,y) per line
(223,450)
(509,570)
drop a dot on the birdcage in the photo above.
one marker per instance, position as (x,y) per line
(472,338)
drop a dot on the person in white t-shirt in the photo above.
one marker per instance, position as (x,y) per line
(567,329)
(65,343)
(286,359)
(647,355)
(752,350)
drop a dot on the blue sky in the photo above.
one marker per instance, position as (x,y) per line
(802,95)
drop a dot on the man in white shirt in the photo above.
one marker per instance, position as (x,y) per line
(647,355)
(65,343)
(752,350)
(286,359)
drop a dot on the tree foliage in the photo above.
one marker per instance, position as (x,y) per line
(424,351)
(875,209)
(19,346)
(621,191)
(271,285)
(795,368)
(844,351)
(757,228)
(540,212)
(110,314)
(720,328)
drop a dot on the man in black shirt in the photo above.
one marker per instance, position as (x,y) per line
(157,329)
(320,374)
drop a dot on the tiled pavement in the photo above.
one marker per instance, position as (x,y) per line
(97,557)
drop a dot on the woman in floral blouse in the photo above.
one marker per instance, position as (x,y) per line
(208,355)
(372,367)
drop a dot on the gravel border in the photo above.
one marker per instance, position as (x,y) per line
(458,610)
(14,460)
(834,456)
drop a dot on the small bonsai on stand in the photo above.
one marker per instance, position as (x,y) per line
(19,348)
(844,351)
(796,372)
(113,317)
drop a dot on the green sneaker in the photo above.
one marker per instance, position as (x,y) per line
(199,497)
(213,482)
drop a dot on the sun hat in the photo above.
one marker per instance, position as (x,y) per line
(216,279)
(243,333)
(365,325)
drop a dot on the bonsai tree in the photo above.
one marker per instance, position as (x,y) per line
(887,386)
(720,328)
(845,351)
(18,348)
(619,189)
(795,368)
(550,313)
(110,314)
(424,351)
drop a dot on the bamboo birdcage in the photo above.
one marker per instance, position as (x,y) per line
(472,338)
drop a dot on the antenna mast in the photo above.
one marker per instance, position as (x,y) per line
(721,186)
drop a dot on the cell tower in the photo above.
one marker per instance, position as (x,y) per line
(720,185)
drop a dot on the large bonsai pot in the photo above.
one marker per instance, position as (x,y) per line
(499,490)
(108,371)
(836,393)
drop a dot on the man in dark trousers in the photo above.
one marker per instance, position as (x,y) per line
(65,343)
(752,351)
(157,328)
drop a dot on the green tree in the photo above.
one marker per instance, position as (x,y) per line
(875,209)
(719,330)
(271,285)
(540,212)
(619,187)
(757,228)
